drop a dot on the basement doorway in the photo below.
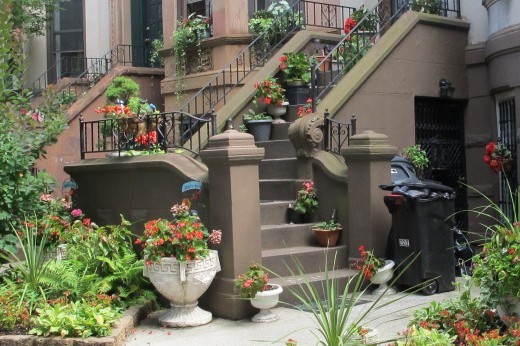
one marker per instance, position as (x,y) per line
(439,129)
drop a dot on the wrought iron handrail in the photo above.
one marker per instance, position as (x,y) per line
(90,69)
(336,133)
(261,49)
(361,38)
(146,133)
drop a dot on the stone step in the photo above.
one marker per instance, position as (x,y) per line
(280,131)
(312,258)
(278,189)
(274,212)
(286,236)
(280,168)
(297,284)
(276,149)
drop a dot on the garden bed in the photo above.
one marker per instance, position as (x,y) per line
(120,332)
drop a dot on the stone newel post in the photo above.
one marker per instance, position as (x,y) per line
(232,159)
(368,158)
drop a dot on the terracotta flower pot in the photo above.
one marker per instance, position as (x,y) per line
(327,237)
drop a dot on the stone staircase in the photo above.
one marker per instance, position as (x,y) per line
(284,244)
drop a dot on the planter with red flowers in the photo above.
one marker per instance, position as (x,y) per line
(180,265)
(254,285)
(498,157)
(378,270)
(271,94)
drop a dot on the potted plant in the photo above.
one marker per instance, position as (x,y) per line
(306,203)
(270,93)
(498,157)
(296,67)
(258,124)
(180,265)
(254,285)
(327,232)
(378,270)
(418,158)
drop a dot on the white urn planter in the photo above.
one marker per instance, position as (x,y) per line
(277,111)
(382,276)
(182,283)
(265,301)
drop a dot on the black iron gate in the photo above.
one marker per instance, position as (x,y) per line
(439,129)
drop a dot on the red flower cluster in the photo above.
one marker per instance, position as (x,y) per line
(350,23)
(496,156)
(368,263)
(146,139)
(305,109)
(283,62)
(115,111)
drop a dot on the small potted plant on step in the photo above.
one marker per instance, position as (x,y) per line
(418,158)
(327,232)
(258,124)
(254,285)
(305,205)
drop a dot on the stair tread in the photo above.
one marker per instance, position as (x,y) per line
(297,250)
(313,277)
(283,226)
(288,158)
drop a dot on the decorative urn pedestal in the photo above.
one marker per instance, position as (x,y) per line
(381,278)
(276,112)
(265,301)
(182,283)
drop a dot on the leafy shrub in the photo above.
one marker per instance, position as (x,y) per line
(81,318)
(122,88)
(12,313)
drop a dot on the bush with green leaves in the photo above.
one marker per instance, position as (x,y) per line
(418,157)
(24,133)
(81,318)
(122,88)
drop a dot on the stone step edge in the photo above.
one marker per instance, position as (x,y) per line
(299,250)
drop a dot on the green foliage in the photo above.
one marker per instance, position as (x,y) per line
(426,337)
(418,158)
(156,60)
(33,265)
(260,22)
(335,322)
(296,66)
(66,97)
(23,135)
(253,281)
(307,198)
(12,313)
(327,225)
(252,115)
(81,318)
(31,16)
(122,88)
(427,6)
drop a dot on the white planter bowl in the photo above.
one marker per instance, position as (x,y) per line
(265,301)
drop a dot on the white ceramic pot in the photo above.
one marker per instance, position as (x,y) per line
(265,301)
(182,283)
(382,276)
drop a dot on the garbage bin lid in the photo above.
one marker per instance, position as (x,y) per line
(419,184)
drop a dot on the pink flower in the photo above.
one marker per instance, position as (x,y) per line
(215,237)
(76,213)
(248,283)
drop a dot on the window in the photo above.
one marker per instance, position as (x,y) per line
(506,126)
(67,39)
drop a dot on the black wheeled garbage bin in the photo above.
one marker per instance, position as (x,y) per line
(419,226)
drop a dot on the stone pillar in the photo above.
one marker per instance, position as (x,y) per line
(232,159)
(230,17)
(368,158)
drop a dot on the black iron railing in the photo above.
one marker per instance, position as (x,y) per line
(356,43)
(262,48)
(153,133)
(84,71)
(336,134)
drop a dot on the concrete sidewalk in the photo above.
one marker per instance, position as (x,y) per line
(293,324)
